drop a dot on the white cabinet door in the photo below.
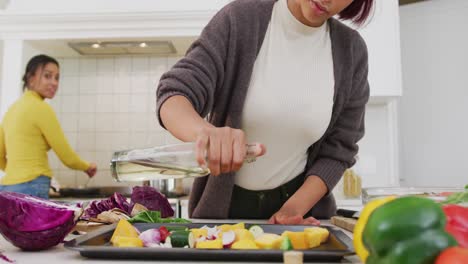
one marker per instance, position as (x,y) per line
(382,35)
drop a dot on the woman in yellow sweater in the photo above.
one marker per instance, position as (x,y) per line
(30,129)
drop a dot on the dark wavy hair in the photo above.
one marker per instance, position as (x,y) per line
(358,11)
(35,63)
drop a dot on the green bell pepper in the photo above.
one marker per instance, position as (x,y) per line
(406,230)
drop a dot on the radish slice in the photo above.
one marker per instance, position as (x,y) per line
(213,233)
(228,238)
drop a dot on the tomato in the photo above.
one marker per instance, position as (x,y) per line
(164,233)
(453,255)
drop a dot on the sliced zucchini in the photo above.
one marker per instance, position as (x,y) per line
(180,238)
(286,244)
(176,228)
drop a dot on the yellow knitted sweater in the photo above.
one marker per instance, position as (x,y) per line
(29,130)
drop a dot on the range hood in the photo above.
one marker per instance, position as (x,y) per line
(124,48)
(405,2)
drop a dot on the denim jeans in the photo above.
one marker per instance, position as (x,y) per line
(38,187)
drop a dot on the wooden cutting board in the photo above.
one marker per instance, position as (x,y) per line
(344,222)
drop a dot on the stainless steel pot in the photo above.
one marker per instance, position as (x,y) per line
(171,188)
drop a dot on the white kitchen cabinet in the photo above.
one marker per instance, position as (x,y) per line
(382,36)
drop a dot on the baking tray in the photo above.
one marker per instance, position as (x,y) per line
(96,245)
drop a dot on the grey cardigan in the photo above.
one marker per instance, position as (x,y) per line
(215,74)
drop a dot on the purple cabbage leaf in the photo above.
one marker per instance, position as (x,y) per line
(117,200)
(152,199)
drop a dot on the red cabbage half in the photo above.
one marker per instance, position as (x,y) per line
(152,199)
(32,223)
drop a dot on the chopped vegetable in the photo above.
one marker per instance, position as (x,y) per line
(123,241)
(124,229)
(192,241)
(150,237)
(212,233)
(32,223)
(227,227)
(321,232)
(176,228)
(313,239)
(155,217)
(243,234)
(286,244)
(256,231)
(269,241)
(228,238)
(199,232)
(164,233)
(180,238)
(244,244)
(206,237)
(210,244)
(298,239)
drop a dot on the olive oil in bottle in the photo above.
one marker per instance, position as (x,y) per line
(165,162)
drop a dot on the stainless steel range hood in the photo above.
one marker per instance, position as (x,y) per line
(124,48)
(146,46)
(405,2)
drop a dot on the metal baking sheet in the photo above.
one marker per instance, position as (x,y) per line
(96,245)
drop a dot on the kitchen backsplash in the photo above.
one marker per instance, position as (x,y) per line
(108,104)
(104,105)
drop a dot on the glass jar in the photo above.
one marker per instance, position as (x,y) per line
(352,184)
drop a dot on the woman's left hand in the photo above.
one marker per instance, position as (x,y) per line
(286,217)
(91,171)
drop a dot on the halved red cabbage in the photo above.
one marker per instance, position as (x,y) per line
(32,223)
(152,199)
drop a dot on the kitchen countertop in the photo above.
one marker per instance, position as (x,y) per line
(59,254)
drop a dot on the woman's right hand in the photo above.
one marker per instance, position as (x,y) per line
(91,171)
(223,147)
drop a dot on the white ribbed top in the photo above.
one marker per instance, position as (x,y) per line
(290,98)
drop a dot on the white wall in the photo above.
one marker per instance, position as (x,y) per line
(434,127)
